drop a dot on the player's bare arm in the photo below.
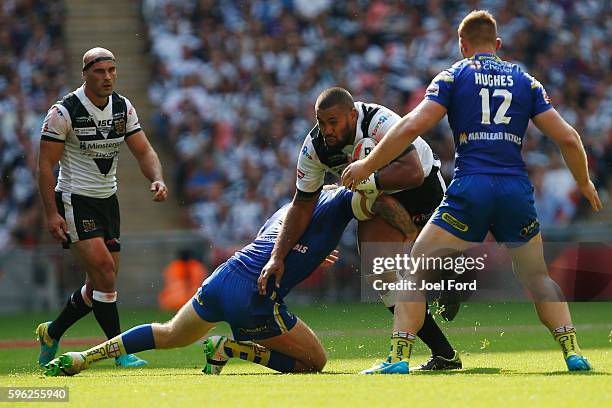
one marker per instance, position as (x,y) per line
(393,213)
(568,140)
(399,137)
(295,223)
(404,173)
(149,163)
(49,156)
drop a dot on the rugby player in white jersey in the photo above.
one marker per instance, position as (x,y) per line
(83,132)
(341,124)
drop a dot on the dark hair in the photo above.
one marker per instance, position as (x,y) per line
(333,97)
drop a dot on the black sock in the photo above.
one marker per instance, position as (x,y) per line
(108,317)
(74,310)
(432,336)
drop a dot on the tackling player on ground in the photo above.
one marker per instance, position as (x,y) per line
(282,341)
(489,103)
(83,132)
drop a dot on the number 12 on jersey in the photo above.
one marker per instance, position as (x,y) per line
(500,115)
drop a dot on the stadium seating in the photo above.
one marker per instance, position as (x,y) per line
(235,87)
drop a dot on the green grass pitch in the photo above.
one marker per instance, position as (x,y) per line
(509,358)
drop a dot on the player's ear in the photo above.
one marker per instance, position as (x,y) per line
(353,114)
(498,43)
(463,46)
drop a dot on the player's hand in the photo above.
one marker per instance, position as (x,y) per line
(354,173)
(330,259)
(590,193)
(56,224)
(274,268)
(160,190)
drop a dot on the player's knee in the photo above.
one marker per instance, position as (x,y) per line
(165,336)
(104,274)
(316,362)
(319,363)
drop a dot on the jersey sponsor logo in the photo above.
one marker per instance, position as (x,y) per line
(530,228)
(300,174)
(306,153)
(301,248)
(494,136)
(198,297)
(85,131)
(380,122)
(89,149)
(455,223)
(433,89)
(84,120)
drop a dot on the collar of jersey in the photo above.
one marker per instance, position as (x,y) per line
(87,100)
(485,55)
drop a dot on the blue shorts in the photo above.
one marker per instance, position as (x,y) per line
(228,295)
(478,203)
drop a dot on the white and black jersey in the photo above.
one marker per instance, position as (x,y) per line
(92,138)
(373,121)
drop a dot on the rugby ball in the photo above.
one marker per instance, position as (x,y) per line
(363,148)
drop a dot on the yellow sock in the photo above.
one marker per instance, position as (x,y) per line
(401,347)
(247,351)
(109,349)
(566,337)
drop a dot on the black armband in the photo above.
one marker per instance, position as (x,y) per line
(408,150)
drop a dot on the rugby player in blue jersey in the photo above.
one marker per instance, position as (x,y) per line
(280,340)
(489,103)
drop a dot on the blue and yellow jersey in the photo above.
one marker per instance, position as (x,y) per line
(489,103)
(331,215)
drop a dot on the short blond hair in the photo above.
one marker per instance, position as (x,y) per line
(478,28)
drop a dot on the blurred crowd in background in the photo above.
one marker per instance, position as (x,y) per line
(234,85)
(32,54)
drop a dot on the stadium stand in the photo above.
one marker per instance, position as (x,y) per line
(31,55)
(234,88)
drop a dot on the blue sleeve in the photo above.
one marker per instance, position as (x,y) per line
(439,90)
(540,101)
(346,208)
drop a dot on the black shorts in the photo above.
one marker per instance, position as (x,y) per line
(421,202)
(89,217)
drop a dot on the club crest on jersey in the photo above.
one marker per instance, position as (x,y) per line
(119,122)
(89,225)
(120,126)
